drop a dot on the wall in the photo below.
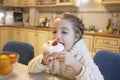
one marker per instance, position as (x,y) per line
(92,12)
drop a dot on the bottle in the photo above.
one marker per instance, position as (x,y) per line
(108,23)
(110,30)
(115,21)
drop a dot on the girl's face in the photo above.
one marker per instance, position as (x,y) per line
(63,30)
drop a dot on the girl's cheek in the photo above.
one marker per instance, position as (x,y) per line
(54,36)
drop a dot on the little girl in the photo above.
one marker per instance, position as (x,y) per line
(75,62)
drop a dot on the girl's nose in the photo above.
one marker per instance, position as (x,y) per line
(56,35)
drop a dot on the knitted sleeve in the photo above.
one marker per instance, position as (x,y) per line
(35,66)
(91,70)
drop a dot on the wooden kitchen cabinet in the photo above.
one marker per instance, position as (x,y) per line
(39,3)
(89,42)
(26,3)
(50,35)
(10,3)
(106,43)
(32,38)
(66,2)
(4,36)
(18,34)
(44,3)
(110,1)
(29,3)
(96,49)
(18,3)
(37,39)
(23,2)
(43,37)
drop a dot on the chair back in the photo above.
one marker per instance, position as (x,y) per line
(109,64)
(25,50)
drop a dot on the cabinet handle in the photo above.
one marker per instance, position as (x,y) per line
(106,42)
(18,32)
(36,34)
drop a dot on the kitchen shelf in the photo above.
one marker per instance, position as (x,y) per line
(39,3)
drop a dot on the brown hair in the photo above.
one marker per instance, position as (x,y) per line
(77,23)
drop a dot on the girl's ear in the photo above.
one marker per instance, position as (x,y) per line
(77,37)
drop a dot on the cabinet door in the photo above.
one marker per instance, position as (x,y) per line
(30,2)
(50,35)
(32,38)
(106,43)
(37,39)
(10,2)
(65,2)
(45,2)
(22,2)
(98,48)
(4,36)
(18,34)
(110,1)
(89,42)
(43,38)
(26,2)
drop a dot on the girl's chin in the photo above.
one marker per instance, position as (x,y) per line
(66,49)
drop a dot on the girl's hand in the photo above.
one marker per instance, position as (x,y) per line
(47,58)
(68,59)
(60,56)
(65,58)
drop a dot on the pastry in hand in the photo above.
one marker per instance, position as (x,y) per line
(53,46)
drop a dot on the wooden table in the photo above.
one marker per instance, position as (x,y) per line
(21,73)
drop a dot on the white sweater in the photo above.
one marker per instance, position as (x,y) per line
(89,71)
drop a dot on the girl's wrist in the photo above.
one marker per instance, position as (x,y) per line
(43,62)
(77,68)
(78,71)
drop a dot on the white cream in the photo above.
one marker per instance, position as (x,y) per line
(56,48)
(50,48)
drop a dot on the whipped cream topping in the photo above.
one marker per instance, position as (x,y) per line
(50,48)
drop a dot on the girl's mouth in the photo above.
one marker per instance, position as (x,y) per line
(61,43)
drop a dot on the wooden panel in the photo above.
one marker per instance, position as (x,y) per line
(43,38)
(4,36)
(105,41)
(18,34)
(110,1)
(98,48)
(50,35)
(10,3)
(32,38)
(66,3)
(89,42)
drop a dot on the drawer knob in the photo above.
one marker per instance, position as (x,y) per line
(106,42)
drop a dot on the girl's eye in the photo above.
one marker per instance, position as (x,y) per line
(64,32)
(54,32)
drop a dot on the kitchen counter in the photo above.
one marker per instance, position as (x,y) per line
(28,27)
(103,34)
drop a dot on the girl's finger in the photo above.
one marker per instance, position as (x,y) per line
(61,60)
(45,53)
(60,56)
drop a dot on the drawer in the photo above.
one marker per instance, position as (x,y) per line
(97,48)
(106,41)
